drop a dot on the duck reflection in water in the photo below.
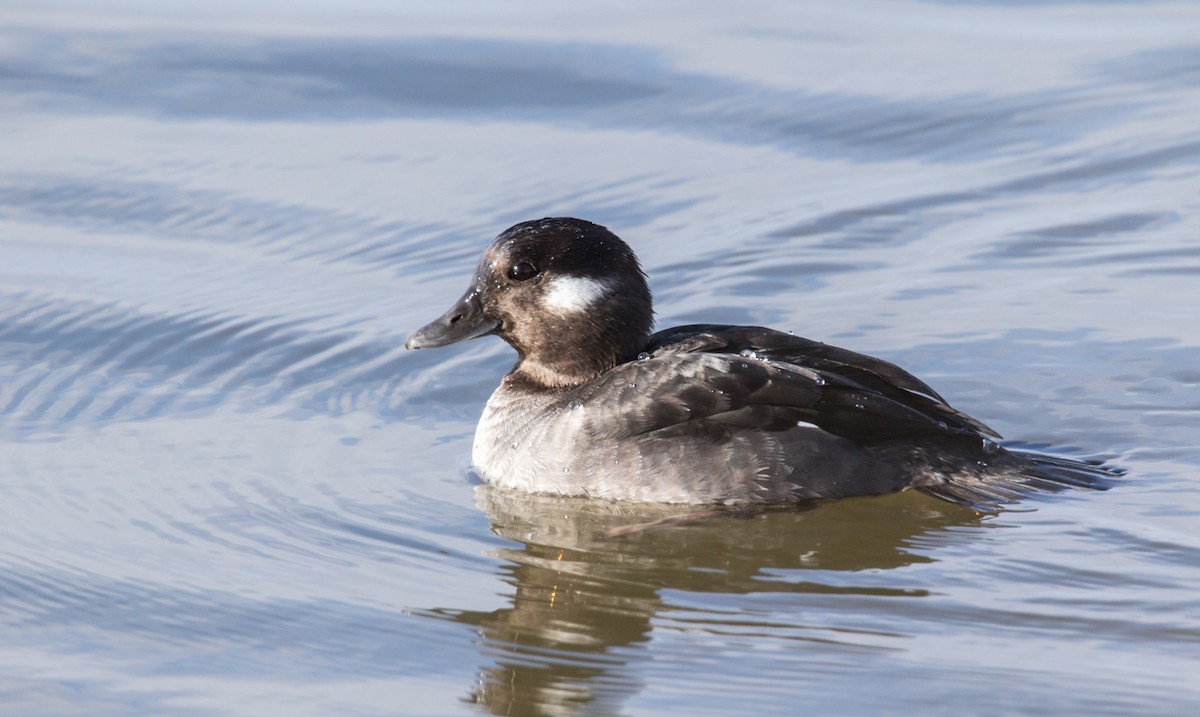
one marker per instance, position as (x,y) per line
(589,578)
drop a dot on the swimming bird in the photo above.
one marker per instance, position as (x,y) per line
(599,406)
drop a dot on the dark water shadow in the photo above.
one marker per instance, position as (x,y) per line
(562,83)
(584,601)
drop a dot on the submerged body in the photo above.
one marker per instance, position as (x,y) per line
(700,414)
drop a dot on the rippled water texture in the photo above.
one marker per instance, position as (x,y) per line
(227,490)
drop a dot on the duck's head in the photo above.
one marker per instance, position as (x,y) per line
(567,294)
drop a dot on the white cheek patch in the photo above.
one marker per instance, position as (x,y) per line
(573,294)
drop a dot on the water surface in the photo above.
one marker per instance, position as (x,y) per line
(229,491)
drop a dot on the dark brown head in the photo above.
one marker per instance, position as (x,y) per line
(567,294)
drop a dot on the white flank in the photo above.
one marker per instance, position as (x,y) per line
(572,294)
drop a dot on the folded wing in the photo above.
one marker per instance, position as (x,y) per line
(755,377)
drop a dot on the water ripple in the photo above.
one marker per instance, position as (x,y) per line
(164,210)
(588,83)
(71,362)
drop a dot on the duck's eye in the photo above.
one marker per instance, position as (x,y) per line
(522,271)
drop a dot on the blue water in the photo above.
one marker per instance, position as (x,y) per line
(228,490)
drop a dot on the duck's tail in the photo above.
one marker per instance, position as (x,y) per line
(1005,476)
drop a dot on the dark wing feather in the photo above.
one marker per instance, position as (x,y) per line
(717,390)
(786,380)
(770,343)
(675,389)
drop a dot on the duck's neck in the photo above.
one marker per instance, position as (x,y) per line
(572,349)
(568,369)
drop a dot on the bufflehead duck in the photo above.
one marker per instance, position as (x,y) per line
(598,406)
